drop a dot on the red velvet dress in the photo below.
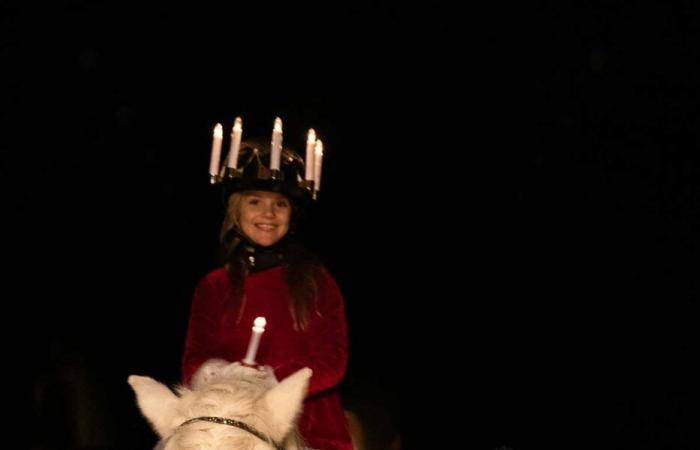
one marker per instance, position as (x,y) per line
(215,331)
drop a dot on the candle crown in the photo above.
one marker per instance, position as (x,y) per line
(253,170)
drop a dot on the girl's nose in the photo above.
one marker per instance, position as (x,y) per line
(269,209)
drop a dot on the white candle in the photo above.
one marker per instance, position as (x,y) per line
(309,163)
(258,328)
(215,152)
(276,145)
(235,143)
(318,161)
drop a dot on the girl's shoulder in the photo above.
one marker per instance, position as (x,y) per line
(216,277)
(324,278)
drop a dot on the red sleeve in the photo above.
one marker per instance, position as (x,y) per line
(201,340)
(328,357)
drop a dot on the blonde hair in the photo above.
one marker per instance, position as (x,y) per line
(232,219)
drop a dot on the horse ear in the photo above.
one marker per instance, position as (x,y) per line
(284,401)
(156,402)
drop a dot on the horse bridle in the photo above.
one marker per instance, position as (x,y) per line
(237,424)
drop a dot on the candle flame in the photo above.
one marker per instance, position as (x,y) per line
(238,124)
(278,124)
(260,322)
(218,130)
(311,137)
(319,147)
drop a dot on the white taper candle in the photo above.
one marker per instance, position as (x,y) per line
(215,152)
(258,328)
(235,143)
(309,163)
(276,145)
(318,161)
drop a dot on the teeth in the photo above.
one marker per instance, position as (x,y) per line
(265,227)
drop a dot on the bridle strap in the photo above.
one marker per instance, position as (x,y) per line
(237,424)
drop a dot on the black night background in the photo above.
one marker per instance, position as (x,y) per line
(509,205)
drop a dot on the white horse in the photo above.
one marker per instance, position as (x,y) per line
(230,407)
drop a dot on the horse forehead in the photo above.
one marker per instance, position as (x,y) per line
(237,388)
(209,435)
(225,399)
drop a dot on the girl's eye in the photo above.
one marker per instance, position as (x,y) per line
(253,201)
(282,204)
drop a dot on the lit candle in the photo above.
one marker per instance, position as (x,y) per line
(235,143)
(276,145)
(258,328)
(309,163)
(318,160)
(215,152)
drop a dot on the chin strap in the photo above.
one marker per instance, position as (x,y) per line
(261,259)
(257,258)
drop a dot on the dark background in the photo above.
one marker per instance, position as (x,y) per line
(509,206)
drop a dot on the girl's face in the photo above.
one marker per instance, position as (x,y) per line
(264,216)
